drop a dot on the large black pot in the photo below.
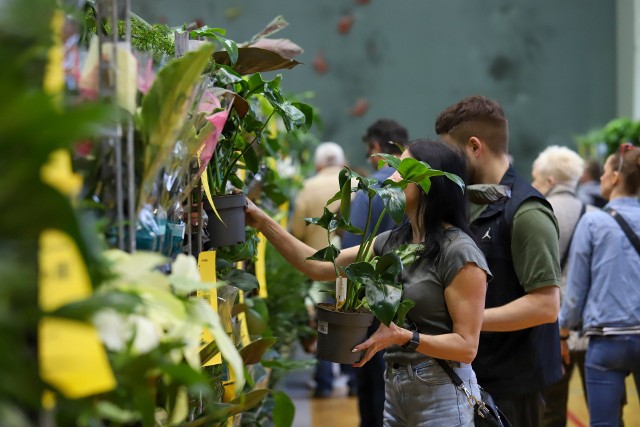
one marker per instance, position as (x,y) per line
(230,230)
(339,332)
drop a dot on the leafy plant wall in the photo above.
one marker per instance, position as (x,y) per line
(133,328)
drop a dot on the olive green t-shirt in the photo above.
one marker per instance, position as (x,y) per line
(534,244)
(425,283)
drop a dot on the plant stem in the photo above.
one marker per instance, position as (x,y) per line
(374,232)
(366,227)
(226,175)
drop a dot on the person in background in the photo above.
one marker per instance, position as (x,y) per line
(556,172)
(602,296)
(589,186)
(383,136)
(329,159)
(519,352)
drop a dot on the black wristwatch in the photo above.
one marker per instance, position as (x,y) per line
(413,343)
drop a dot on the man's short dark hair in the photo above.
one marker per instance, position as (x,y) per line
(391,136)
(476,116)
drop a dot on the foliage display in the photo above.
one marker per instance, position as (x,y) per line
(372,281)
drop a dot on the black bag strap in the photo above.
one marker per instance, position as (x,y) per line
(565,256)
(449,370)
(633,237)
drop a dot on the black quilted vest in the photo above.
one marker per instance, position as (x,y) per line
(512,363)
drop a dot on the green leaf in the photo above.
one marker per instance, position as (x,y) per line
(389,159)
(394,200)
(330,253)
(85,309)
(284,410)
(251,160)
(326,221)
(388,266)
(345,200)
(403,309)
(217,33)
(242,280)
(165,107)
(253,352)
(307,110)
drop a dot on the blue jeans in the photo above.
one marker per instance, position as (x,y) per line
(609,360)
(424,395)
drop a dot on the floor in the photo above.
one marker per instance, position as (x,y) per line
(342,411)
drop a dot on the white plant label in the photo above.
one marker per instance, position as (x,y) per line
(341,292)
(323,327)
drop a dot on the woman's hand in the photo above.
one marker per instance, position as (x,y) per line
(384,337)
(254,216)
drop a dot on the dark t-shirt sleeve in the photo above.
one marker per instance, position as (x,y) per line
(456,255)
(381,239)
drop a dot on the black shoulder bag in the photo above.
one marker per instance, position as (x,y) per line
(485,411)
(633,237)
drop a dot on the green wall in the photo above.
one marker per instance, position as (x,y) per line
(551,64)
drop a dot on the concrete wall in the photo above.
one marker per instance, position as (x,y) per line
(551,64)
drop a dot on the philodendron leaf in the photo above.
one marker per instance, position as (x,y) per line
(345,200)
(253,352)
(403,309)
(394,200)
(326,254)
(389,159)
(242,280)
(346,226)
(383,299)
(326,221)
(217,34)
(389,266)
(383,295)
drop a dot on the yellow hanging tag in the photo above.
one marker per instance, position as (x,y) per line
(71,356)
(261,267)
(245,339)
(57,173)
(207,267)
(54,72)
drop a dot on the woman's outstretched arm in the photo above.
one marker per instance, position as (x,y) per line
(292,249)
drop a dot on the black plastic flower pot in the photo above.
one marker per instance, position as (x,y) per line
(339,332)
(230,230)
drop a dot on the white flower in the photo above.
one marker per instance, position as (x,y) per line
(114,329)
(185,266)
(147,334)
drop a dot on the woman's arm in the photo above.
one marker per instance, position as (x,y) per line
(465,298)
(292,249)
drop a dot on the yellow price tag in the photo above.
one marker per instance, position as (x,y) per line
(207,267)
(71,356)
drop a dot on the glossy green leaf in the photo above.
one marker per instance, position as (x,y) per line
(388,266)
(253,352)
(388,159)
(394,200)
(345,201)
(325,221)
(284,410)
(330,253)
(242,280)
(403,309)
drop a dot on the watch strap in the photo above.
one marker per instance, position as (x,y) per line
(413,343)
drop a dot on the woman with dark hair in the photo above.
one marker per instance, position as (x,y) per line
(447,281)
(602,296)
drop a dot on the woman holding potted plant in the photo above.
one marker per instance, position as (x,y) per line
(447,281)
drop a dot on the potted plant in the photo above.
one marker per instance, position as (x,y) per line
(372,286)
